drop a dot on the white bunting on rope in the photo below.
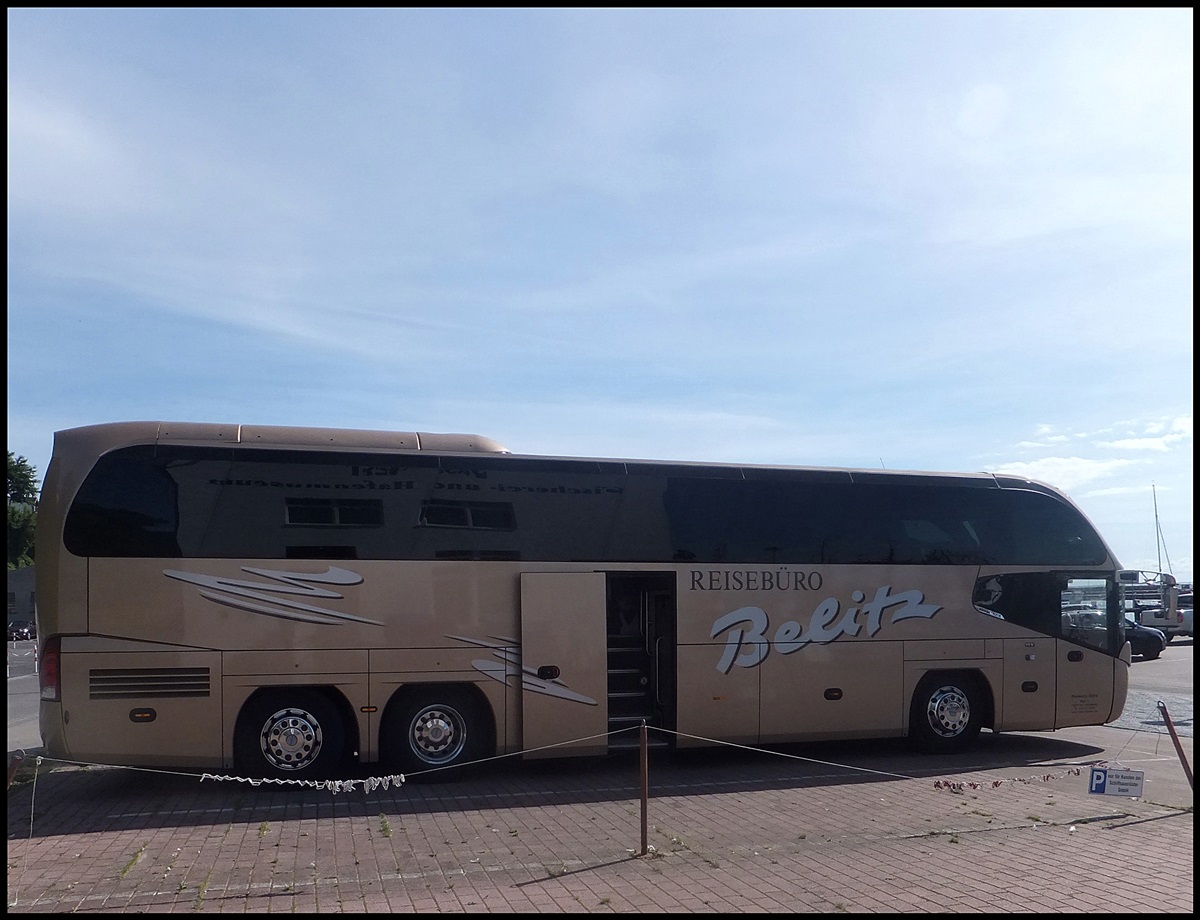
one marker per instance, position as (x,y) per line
(330,785)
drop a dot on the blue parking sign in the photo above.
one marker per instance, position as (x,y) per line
(1106,781)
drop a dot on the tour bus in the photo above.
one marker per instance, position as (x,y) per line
(289,602)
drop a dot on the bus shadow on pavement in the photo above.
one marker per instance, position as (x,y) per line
(73,800)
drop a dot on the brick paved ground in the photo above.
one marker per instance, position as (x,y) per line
(728,830)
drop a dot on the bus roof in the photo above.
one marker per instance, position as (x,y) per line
(107,436)
(122,434)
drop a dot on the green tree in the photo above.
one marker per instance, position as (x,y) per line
(22,511)
(22,481)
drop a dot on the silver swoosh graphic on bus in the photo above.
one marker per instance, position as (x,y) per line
(509,665)
(263,597)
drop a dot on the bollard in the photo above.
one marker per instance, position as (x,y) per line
(18,758)
(1162,707)
(645,790)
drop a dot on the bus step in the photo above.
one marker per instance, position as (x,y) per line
(626,658)
(617,722)
(627,695)
(617,640)
(633,742)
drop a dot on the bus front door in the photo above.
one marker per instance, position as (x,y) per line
(564,669)
(642,641)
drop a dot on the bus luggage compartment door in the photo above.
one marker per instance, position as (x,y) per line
(564,664)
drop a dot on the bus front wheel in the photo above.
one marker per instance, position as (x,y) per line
(429,730)
(289,734)
(947,713)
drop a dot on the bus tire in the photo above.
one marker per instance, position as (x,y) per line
(289,734)
(947,713)
(426,731)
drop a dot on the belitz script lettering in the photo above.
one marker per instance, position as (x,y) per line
(747,645)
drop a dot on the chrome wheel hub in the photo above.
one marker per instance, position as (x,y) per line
(291,739)
(949,711)
(437,735)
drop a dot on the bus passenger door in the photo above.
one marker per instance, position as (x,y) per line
(1085,686)
(642,643)
(564,671)
(1085,666)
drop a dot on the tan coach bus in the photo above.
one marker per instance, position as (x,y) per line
(286,601)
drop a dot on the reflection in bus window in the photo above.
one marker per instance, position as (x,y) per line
(1054,604)
(334,512)
(474,515)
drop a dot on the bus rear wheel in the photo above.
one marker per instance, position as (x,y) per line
(289,734)
(426,731)
(946,714)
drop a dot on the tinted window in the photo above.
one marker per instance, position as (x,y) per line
(1081,608)
(129,506)
(246,503)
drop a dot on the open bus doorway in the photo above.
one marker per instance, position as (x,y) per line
(641,630)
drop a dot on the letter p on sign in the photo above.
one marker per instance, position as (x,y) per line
(1099,781)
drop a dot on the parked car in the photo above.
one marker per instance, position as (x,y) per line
(1157,617)
(1185,608)
(21,629)
(1146,641)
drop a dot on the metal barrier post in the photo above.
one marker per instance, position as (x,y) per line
(14,765)
(1187,769)
(645,790)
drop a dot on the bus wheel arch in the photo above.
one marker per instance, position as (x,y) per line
(292,732)
(428,727)
(948,710)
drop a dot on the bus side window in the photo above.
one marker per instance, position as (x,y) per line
(1029,599)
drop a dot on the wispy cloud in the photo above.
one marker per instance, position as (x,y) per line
(938,239)
(1068,473)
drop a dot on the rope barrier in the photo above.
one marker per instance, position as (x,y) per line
(757,750)
(369,784)
(385,782)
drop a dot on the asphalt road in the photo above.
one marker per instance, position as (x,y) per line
(1167,678)
(23,731)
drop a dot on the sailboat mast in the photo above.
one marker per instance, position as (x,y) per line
(1157,532)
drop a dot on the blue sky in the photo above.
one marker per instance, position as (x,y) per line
(919,239)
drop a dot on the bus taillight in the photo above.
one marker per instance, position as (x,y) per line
(48,669)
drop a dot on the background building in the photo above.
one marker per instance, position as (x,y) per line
(22,596)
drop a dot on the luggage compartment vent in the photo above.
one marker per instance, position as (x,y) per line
(142,683)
